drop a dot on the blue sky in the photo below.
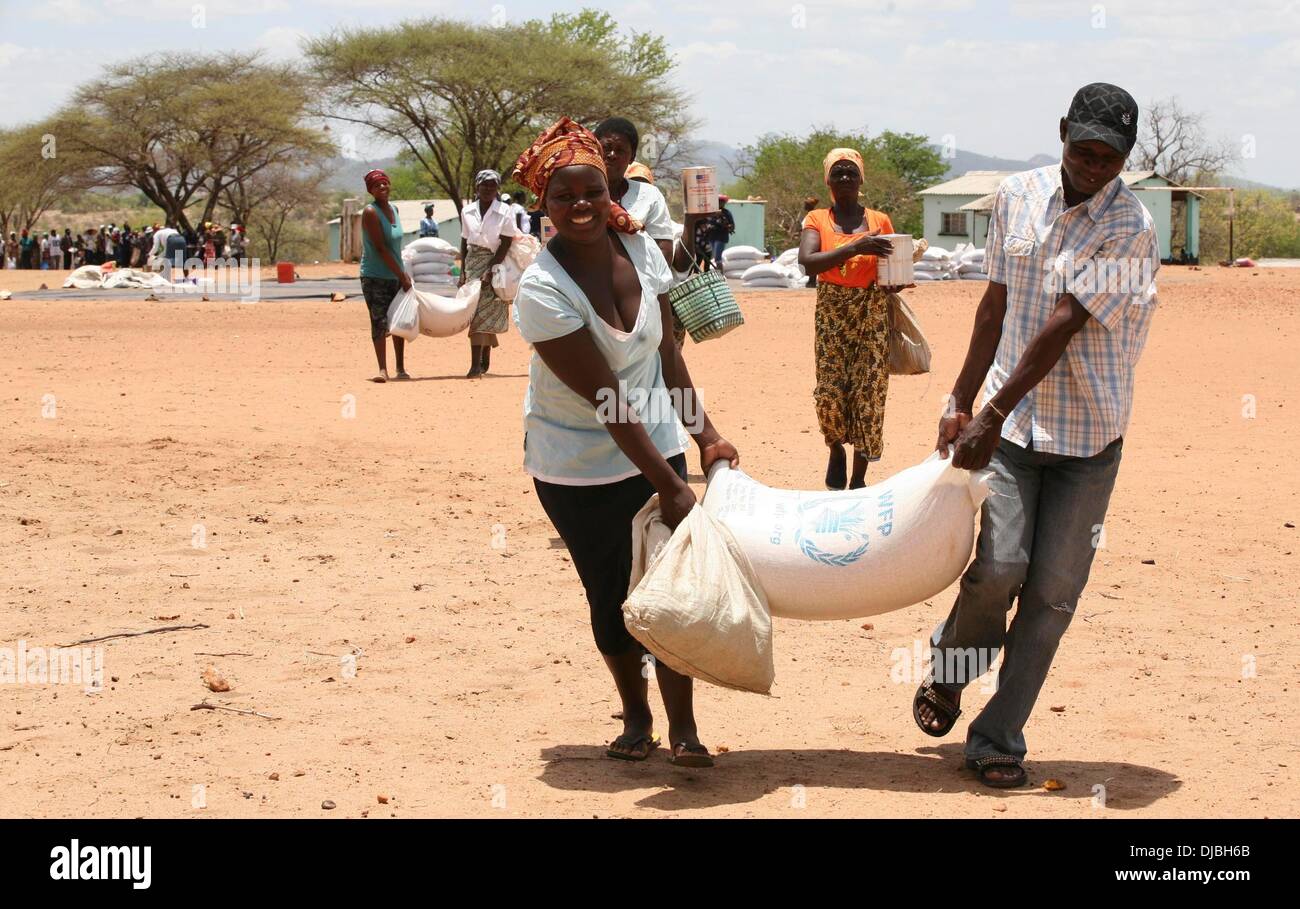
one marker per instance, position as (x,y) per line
(993,76)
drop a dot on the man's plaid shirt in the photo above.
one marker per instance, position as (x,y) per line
(1103,251)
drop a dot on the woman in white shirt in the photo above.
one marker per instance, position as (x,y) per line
(487,228)
(594,308)
(644,202)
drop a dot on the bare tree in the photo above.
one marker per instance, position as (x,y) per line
(1173,142)
(275,198)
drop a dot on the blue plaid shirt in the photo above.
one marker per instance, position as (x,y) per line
(1104,251)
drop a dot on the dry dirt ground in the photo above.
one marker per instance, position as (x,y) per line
(373,567)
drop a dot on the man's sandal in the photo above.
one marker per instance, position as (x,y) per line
(943,708)
(685,755)
(638,747)
(989,762)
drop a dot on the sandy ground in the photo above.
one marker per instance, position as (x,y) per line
(229,465)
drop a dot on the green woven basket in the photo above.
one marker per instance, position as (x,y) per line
(706,307)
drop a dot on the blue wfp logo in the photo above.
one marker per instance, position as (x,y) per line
(833,531)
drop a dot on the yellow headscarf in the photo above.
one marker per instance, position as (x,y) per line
(841,154)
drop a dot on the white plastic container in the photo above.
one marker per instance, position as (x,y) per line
(700,190)
(895,269)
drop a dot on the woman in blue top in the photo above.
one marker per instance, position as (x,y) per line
(382,275)
(594,308)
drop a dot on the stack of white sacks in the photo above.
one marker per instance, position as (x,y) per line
(938,264)
(429,261)
(736,260)
(785,272)
(970,263)
(935,264)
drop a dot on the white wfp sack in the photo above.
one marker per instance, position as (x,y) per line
(430,244)
(742,252)
(765,270)
(845,555)
(505,277)
(435,268)
(694,602)
(442,317)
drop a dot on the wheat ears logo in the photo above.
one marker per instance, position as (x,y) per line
(75,862)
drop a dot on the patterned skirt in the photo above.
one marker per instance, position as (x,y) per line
(493,314)
(852,350)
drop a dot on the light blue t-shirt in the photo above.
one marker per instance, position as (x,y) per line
(565,439)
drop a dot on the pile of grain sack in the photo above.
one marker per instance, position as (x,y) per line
(429,261)
(966,263)
(754,269)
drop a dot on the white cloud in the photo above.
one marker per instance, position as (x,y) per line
(282,42)
(65,12)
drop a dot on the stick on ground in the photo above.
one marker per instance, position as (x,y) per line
(134,634)
(206,706)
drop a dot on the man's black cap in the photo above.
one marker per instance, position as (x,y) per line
(1106,113)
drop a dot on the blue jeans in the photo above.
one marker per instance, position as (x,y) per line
(717,246)
(1038,534)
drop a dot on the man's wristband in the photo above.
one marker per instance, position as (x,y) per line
(990,405)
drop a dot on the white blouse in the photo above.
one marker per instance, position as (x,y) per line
(487,230)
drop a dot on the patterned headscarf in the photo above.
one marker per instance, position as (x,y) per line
(841,154)
(565,144)
(485,175)
(374,177)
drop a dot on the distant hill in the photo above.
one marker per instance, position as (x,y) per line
(348,173)
(965,161)
(1243,183)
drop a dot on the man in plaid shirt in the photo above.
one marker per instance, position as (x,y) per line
(1071,256)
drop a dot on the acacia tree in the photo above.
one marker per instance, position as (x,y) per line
(184,129)
(459,97)
(785,170)
(35,173)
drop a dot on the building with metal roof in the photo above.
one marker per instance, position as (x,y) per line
(957,211)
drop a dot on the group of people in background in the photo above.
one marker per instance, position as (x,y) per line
(124,246)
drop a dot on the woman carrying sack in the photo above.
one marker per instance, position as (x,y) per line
(594,308)
(487,228)
(382,275)
(840,245)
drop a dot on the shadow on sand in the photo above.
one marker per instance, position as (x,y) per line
(747,776)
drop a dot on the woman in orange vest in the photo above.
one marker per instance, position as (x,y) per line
(840,245)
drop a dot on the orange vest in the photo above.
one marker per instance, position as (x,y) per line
(860,271)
